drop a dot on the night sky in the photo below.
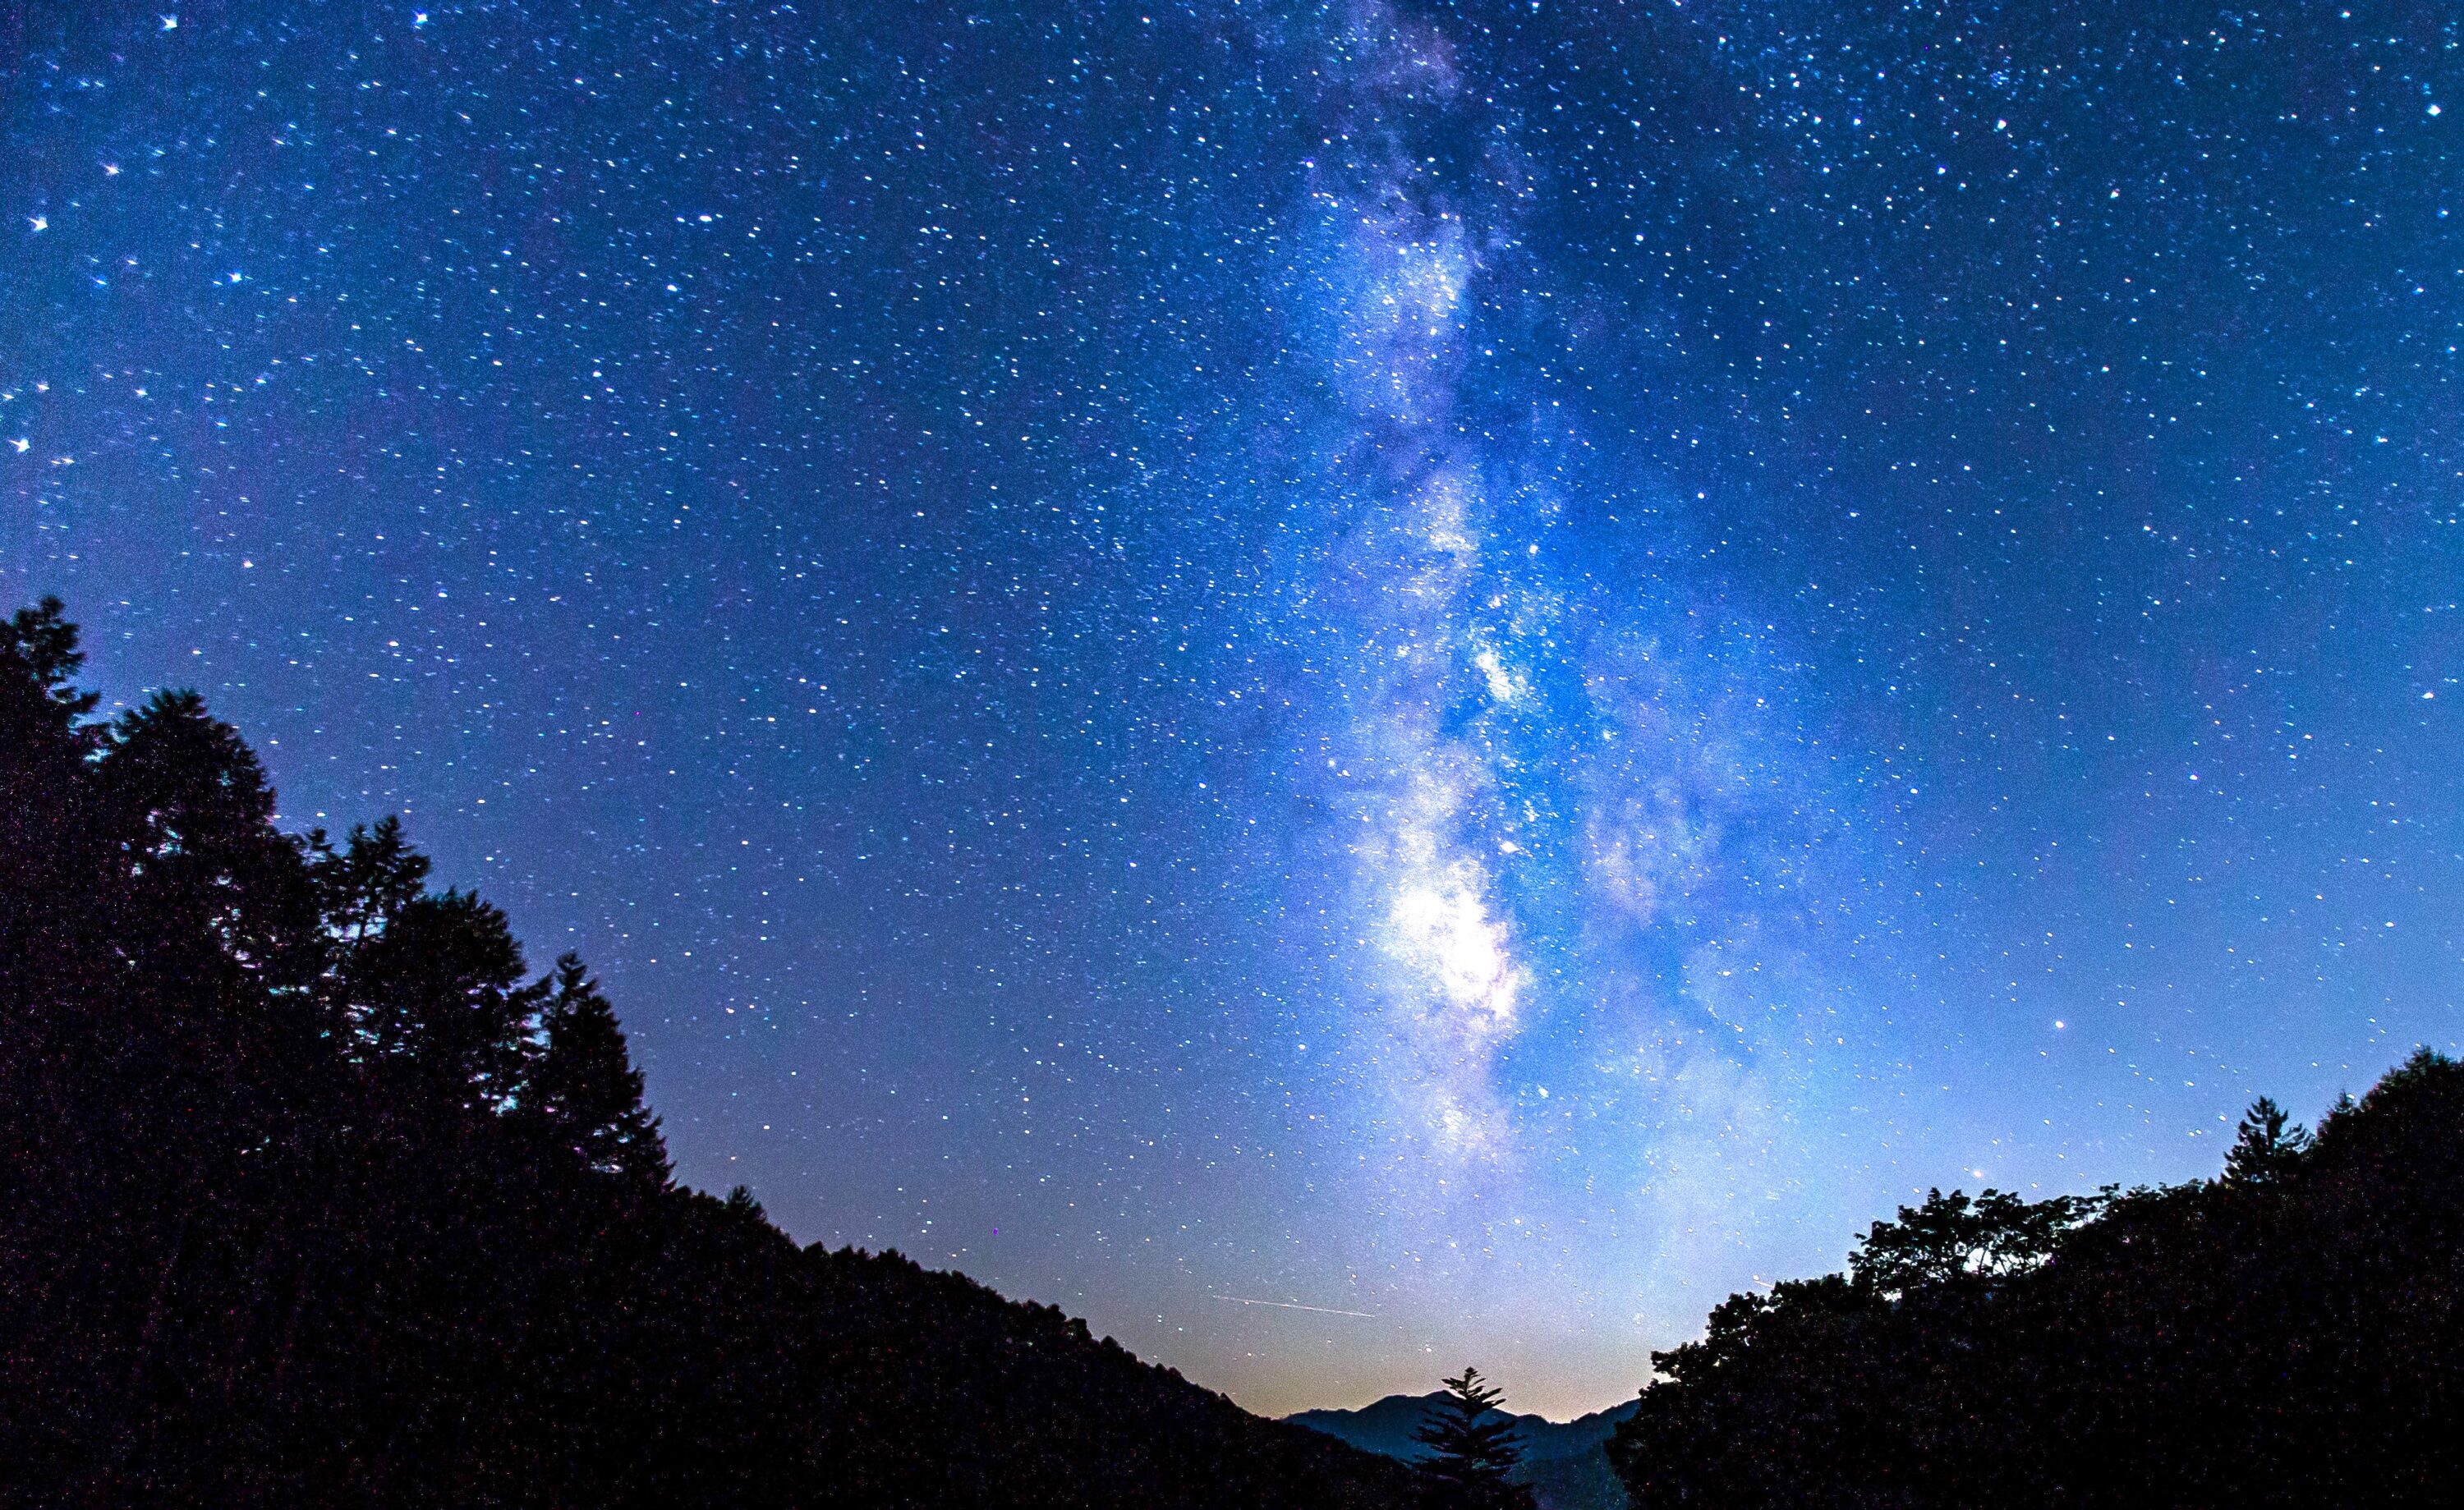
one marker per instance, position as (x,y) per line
(1350,687)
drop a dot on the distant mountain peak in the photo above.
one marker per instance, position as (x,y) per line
(1562,1461)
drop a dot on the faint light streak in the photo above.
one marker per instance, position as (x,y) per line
(1295,1305)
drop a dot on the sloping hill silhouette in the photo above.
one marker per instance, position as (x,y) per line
(316,1196)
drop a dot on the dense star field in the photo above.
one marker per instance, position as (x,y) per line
(1348,687)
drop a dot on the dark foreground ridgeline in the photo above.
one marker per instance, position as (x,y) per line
(2290,1333)
(310,1196)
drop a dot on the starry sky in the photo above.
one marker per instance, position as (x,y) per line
(1350,686)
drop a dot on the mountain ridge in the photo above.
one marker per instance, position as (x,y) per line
(1564,1462)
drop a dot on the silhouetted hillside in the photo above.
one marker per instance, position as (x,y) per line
(2290,1333)
(316,1196)
(1566,1464)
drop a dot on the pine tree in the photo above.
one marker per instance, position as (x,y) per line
(1473,1448)
(43,750)
(2267,1148)
(191,813)
(436,1000)
(584,1085)
(38,655)
(364,887)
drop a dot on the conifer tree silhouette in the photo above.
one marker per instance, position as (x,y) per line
(2267,1146)
(584,1085)
(1473,1446)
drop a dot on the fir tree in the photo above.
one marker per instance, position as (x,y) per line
(365,886)
(1473,1446)
(38,655)
(584,1085)
(2267,1148)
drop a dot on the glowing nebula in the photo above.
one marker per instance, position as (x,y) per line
(1534,768)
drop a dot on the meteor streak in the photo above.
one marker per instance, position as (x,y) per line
(1293,1306)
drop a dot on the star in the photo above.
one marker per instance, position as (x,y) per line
(1604,699)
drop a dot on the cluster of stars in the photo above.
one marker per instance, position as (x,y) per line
(1482,670)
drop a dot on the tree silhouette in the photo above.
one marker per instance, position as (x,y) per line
(192,817)
(39,708)
(2267,1146)
(38,655)
(1473,1446)
(365,886)
(1952,1236)
(584,1085)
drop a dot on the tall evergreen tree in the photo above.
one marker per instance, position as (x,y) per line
(193,814)
(362,887)
(40,706)
(2267,1146)
(438,996)
(1473,1446)
(584,1085)
(43,748)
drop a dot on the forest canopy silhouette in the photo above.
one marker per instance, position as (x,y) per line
(2289,1333)
(316,1195)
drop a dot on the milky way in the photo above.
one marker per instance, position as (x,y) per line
(1556,819)
(1354,686)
